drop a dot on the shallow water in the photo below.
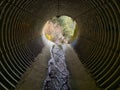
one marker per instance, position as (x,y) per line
(58,75)
(35,76)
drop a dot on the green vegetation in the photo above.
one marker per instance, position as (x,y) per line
(61,29)
(68,26)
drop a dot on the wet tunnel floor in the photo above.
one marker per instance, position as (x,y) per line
(34,77)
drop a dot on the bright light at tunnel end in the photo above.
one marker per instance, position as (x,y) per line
(59,29)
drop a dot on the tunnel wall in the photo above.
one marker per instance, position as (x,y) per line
(19,42)
(99,43)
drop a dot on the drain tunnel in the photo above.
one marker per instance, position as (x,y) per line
(98,44)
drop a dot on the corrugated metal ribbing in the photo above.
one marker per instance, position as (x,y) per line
(98,45)
(15,41)
(103,60)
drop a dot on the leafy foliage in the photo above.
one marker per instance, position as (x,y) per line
(62,28)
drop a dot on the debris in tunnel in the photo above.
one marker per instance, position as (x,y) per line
(58,75)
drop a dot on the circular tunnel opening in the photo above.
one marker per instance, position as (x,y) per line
(98,42)
(60,30)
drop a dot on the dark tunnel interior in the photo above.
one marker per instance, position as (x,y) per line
(98,44)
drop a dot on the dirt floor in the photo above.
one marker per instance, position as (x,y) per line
(79,78)
(34,77)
